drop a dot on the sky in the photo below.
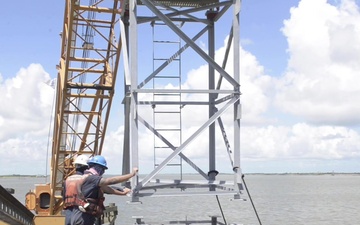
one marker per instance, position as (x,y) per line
(299,62)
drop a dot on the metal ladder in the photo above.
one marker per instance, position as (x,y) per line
(166,115)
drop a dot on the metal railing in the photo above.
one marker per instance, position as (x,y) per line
(12,211)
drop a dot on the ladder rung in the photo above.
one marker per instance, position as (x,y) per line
(166,59)
(162,24)
(167,77)
(166,42)
(168,129)
(167,94)
(163,147)
(171,164)
(167,111)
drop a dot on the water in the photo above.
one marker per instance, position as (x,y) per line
(279,200)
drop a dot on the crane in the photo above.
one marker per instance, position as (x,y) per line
(90,53)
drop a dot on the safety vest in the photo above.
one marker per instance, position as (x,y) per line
(74,196)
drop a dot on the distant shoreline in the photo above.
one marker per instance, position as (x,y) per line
(20,175)
(317,173)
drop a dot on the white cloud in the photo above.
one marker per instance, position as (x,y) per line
(300,141)
(321,83)
(24,125)
(246,41)
(256,87)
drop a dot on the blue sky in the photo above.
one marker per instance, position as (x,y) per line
(299,68)
(261,22)
(30,34)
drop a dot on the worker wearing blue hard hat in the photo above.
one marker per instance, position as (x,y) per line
(98,160)
(88,191)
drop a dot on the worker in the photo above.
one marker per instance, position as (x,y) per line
(81,165)
(89,191)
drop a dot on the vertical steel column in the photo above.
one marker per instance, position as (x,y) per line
(212,109)
(237,106)
(133,43)
(127,100)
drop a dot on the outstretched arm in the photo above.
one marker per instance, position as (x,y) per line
(117,179)
(114,191)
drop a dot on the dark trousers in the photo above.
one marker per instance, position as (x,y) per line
(81,218)
(68,213)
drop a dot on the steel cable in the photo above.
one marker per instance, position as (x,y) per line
(252,203)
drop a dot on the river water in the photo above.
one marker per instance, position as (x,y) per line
(278,200)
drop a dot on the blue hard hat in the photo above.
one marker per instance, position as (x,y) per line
(98,159)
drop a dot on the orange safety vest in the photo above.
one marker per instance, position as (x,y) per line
(74,196)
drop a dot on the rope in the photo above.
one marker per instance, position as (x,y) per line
(252,203)
(222,213)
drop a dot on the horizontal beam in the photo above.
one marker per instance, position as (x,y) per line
(183,193)
(192,91)
(98,9)
(78,59)
(89,86)
(172,103)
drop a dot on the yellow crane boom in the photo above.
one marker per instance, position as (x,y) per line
(90,53)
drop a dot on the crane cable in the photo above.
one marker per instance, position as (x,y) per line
(232,163)
(52,84)
(252,203)
(222,213)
